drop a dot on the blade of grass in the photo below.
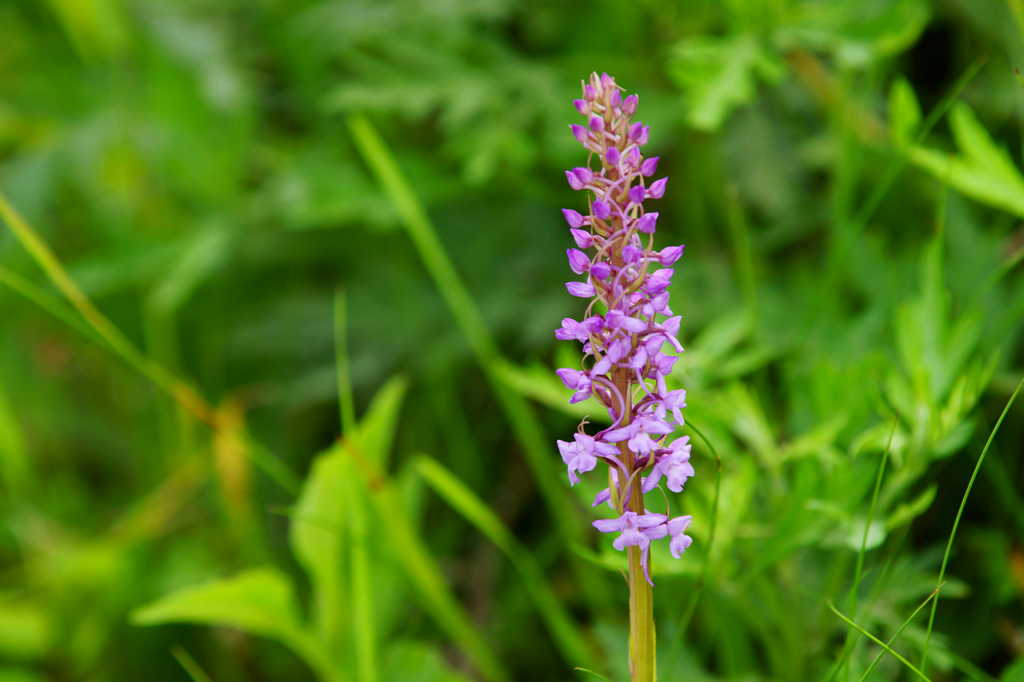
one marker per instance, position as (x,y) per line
(895,167)
(361,593)
(415,559)
(573,647)
(423,235)
(189,664)
(877,641)
(104,332)
(34,294)
(898,632)
(684,621)
(956,521)
(118,342)
(346,402)
(851,595)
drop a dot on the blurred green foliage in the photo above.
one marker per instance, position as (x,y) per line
(181,500)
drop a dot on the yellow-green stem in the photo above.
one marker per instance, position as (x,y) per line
(641,597)
(641,618)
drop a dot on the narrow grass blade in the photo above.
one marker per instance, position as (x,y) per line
(34,294)
(712,527)
(346,402)
(118,342)
(423,572)
(898,632)
(573,647)
(364,628)
(468,317)
(895,167)
(956,520)
(189,664)
(101,329)
(851,595)
(877,641)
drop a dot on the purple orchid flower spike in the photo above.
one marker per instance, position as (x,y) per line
(629,343)
(630,346)
(628,337)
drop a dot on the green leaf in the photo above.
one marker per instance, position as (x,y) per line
(718,74)
(258,601)
(908,511)
(855,33)
(377,427)
(320,516)
(315,534)
(982,170)
(904,112)
(413,556)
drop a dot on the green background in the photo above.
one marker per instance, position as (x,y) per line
(222,221)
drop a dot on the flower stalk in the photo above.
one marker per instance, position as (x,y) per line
(628,336)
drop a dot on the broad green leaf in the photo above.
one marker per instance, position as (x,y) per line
(719,74)
(259,601)
(316,536)
(320,520)
(908,511)
(412,555)
(904,112)
(856,33)
(982,170)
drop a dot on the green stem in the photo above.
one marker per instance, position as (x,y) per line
(641,620)
(641,597)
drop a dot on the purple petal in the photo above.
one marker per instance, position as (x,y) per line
(581,289)
(578,261)
(582,238)
(596,124)
(670,254)
(657,189)
(574,218)
(601,209)
(570,377)
(574,181)
(612,156)
(608,525)
(636,194)
(629,104)
(581,105)
(649,166)
(579,132)
(601,270)
(646,223)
